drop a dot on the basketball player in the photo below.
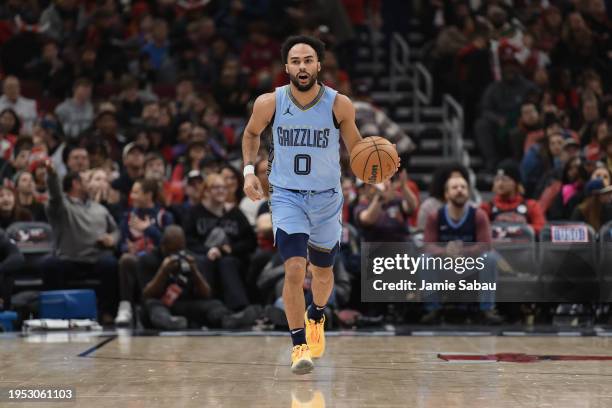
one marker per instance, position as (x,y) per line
(307,120)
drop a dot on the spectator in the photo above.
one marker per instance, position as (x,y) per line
(133,168)
(77,113)
(382,214)
(550,183)
(53,138)
(24,107)
(603,173)
(220,137)
(233,181)
(141,231)
(10,211)
(372,121)
(223,240)
(11,262)
(178,293)
(539,159)
(437,191)
(131,102)
(155,169)
(600,130)
(106,131)
(85,235)
(63,18)
(185,97)
(571,192)
(99,155)
(528,122)
(196,151)
(158,48)
(260,50)
(596,208)
(100,191)
(500,106)
(76,159)
(508,204)
(193,193)
(231,91)
(454,225)
(20,160)
(26,189)
(590,118)
(54,74)
(9,130)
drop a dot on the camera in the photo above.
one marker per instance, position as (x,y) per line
(184,267)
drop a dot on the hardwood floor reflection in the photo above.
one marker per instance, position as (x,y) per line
(356,372)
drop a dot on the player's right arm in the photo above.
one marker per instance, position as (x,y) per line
(263,110)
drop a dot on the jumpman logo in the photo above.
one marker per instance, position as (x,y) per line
(288,111)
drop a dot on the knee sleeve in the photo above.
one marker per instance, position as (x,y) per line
(321,257)
(290,245)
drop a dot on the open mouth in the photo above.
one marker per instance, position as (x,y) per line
(303,77)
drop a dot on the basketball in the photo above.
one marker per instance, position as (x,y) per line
(374,159)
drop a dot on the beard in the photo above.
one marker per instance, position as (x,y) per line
(459,201)
(303,88)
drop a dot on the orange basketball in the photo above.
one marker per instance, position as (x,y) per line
(374,159)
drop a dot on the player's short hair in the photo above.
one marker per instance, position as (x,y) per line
(315,43)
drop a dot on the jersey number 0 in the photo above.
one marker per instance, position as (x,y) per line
(301,164)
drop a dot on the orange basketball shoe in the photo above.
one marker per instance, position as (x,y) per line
(301,360)
(315,336)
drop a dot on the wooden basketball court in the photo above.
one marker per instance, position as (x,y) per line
(357,371)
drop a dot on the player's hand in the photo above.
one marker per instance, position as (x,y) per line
(252,187)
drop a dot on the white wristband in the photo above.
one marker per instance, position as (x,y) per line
(248,169)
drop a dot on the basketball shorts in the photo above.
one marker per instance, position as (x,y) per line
(317,214)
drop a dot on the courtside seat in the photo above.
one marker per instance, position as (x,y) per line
(605,261)
(568,262)
(34,240)
(516,244)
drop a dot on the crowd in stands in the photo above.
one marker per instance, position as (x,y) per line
(534,80)
(121,123)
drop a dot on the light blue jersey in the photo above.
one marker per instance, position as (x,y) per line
(306,142)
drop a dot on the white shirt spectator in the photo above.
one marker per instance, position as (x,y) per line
(24,108)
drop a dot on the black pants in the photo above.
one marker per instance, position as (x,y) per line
(6,288)
(206,312)
(132,278)
(256,265)
(58,272)
(225,279)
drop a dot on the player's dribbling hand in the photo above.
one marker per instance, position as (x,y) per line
(252,187)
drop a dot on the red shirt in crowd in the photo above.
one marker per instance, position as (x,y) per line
(516,209)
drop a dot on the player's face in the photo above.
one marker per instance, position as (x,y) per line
(302,66)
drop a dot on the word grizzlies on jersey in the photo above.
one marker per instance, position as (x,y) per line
(303,136)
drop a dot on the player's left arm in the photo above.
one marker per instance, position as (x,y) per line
(344,112)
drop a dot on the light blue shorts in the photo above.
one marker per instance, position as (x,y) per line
(317,214)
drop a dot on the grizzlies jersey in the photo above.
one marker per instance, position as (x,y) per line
(305,142)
